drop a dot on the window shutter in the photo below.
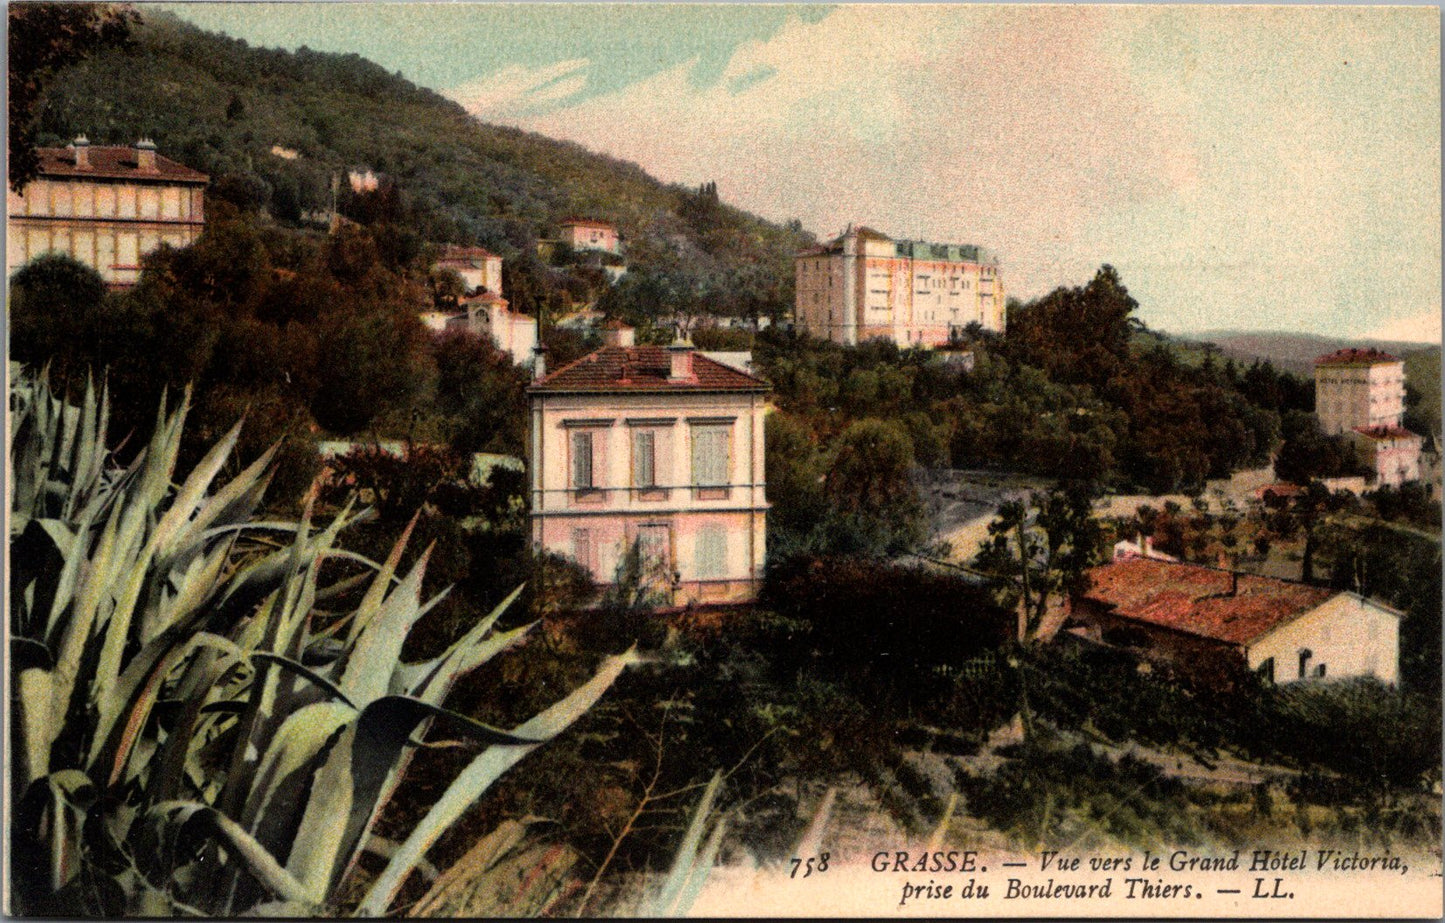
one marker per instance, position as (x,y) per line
(581,460)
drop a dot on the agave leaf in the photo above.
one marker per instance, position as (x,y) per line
(376,648)
(307,673)
(111,758)
(377,591)
(431,680)
(358,771)
(701,869)
(479,776)
(193,491)
(206,820)
(67,581)
(684,864)
(300,740)
(36,690)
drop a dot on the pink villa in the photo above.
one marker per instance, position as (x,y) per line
(582,234)
(654,446)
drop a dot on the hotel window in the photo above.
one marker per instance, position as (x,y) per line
(582,462)
(710,456)
(644,459)
(710,559)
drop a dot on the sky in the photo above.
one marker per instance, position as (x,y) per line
(1256,168)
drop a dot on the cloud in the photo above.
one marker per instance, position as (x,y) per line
(1419,328)
(1226,161)
(518,92)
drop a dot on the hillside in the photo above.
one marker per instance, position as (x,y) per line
(273,128)
(1296,352)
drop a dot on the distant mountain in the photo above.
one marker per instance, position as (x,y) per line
(1295,352)
(275,128)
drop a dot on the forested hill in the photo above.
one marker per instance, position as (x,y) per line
(222,106)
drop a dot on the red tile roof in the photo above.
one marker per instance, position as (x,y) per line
(114,163)
(1354,356)
(644,368)
(1198,600)
(467,253)
(1385,432)
(586,223)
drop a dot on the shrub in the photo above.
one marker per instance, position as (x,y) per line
(201,725)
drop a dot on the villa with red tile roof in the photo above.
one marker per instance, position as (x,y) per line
(106,207)
(657,447)
(1206,622)
(1361,393)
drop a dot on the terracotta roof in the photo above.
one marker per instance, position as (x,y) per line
(113,163)
(467,253)
(483,298)
(1385,432)
(585,222)
(1198,600)
(644,368)
(1354,356)
(615,324)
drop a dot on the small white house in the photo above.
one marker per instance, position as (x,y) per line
(1208,621)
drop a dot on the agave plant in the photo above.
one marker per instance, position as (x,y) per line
(193,729)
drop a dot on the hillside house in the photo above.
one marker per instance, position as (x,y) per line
(1208,623)
(657,447)
(584,234)
(480,269)
(106,207)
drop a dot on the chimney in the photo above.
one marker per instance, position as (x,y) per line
(681,354)
(539,362)
(616,333)
(145,155)
(1146,544)
(81,147)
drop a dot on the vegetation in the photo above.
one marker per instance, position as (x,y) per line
(209,722)
(221,106)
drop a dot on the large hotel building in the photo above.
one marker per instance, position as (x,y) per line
(865,285)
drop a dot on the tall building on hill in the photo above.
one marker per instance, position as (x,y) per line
(1359,388)
(864,285)
(106,207)
(657,447)
(1360,393)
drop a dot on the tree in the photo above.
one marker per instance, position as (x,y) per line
(55,305)
(44,38)
(1039,551)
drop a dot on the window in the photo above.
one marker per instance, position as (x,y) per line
(582,461)
(710,456)
(1320,671)
(710,559)
(653,541)
(644,458)
(1304,662)
(582,547)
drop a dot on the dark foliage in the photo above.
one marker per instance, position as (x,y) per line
(894,635)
